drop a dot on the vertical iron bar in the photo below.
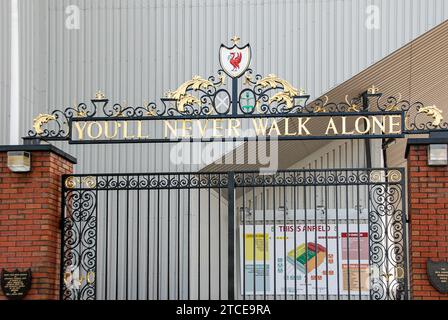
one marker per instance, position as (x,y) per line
(234,96)
(275,240)
(168,274)
(219,238)
(315,234)
(254,254)
(138,240)
(127,243)
(326,233)
(284,235)
(369,226)
(405,225)
(359,242)
(347,234)
(117,243)
(386,232)
(295,236)
(244,239)
(188,241)
(178,240)
(96,243)
(199,239)
(209,241)
(337,240)
(107,246)
(147,240)
(62,226)
(158,237)
(231,236)
(264,241)
(306,235)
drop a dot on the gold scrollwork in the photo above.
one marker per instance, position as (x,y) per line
(77,182)
(286,96)
(71,182)
(394,176)
(376,176)
(183,98)
(247,80)
(380,176)
(353,106)
(89,181)
(321,108)
(395,105)
(434,112)
(40,120)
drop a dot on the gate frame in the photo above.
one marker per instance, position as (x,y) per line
(231,185)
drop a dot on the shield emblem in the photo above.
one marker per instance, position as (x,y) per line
(438,275)
(235,60)
(15,284)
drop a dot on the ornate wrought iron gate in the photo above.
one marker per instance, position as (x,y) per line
(296,234)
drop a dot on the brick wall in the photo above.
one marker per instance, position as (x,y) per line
(428,196)
(29,221)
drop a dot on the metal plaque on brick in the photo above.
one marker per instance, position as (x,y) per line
(438,275)
(15,284)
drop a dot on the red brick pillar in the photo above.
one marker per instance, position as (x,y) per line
(30,211)
(428,212)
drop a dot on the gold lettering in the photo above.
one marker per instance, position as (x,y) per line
(187,128)
(139,131)
(393,124)
(381,125)
(125,131)
(173,129)
(344,126)
(302,126)
(287,133)
(358,125)
(217,125)
(274,126)
(203,128)
(233,127)
(80,130)
(261,127)
(331,126)
(90,277)
(99,129)
(106,129)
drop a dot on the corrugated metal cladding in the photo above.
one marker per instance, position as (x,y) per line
(137,50)
(5,70)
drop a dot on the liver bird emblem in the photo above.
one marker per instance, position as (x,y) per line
(235,60)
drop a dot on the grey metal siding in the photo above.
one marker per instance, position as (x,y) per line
(5,69)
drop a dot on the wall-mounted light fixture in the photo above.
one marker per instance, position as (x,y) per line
(19,161)
(437,155)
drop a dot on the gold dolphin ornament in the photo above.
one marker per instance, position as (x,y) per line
(40,120)
(433,112)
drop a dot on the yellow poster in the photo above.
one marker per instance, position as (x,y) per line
(260,244)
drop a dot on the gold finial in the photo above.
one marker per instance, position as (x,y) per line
(99,95)
(235,40)
(302,92)
(372,90)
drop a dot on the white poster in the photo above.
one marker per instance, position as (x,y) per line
(310,259)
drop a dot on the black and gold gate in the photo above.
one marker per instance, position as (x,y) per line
(307,234)
(296,234)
